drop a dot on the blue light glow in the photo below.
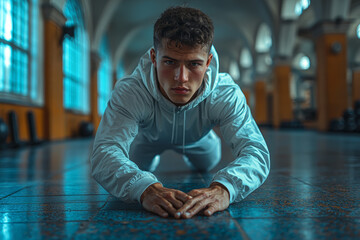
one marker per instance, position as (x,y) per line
(304,62)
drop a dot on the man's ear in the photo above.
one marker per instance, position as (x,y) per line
(153,56)
(209,60)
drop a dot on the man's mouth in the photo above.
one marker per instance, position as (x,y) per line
(180,90)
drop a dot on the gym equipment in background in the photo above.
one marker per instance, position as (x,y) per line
(86,129)
(14,131)
(34,140)
(4,131)
(350,120)
(295,124)
(357,115)
(337,125)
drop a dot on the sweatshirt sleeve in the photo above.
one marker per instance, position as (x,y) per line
(110,163)
(251,166)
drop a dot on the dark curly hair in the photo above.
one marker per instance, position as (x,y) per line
(185,26)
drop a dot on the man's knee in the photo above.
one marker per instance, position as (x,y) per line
(206,162)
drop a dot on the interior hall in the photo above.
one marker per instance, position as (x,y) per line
(296,61)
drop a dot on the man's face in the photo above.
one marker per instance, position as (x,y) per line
(180,71)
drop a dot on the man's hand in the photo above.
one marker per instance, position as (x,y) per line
(210,200)
(163,201)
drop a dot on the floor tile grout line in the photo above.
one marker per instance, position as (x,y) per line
(63,171)
(315,186)
(86,224)
(306,183)
(14,192)
(22,203)
(55,221)
(49,211)
(238,226)
(72,195)
(299,217)
(48,178)
(319,187)
(237,223)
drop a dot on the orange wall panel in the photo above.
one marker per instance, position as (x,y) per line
(332,96)
(282,103)
(260,102)
(53,76)
(355,87)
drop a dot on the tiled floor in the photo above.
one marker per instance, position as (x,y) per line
(313,192)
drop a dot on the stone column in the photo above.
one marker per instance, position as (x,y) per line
(54,20)
(355,85)
(261,102)
(94,67)
(247,94)
(331,48)
(282,103)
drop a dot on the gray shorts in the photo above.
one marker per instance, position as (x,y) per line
(202,155)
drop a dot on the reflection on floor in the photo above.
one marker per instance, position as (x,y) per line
(312,192)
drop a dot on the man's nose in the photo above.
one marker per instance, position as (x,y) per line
(182,74)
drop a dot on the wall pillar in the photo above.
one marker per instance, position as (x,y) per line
(331,48)
(94,67)
(53,73)
(282,103)
(261,102)
(355,86)
(246,93)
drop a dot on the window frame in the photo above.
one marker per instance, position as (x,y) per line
(82,82)
(17,98)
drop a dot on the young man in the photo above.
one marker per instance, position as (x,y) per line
(173,100)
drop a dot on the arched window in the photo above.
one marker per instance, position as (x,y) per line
(292,9)
(76,61)
(263,39)
(300,6)
(234,71)
(104,76)
(245,58)
(18,50)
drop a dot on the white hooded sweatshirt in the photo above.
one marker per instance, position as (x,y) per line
(138,107)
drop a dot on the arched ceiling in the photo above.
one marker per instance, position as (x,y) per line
(129,24)
(236,22)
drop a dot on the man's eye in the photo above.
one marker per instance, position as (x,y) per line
(195,64)
(168,62)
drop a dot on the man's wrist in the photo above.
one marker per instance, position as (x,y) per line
(217,184)
(149,189)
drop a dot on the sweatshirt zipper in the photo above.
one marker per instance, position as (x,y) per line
(174,134)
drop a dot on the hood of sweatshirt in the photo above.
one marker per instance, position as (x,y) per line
(149,80)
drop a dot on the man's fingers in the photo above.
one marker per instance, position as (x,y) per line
(171,197)
(168,207)
(159,211)
(194,192)
(200,205)
(210,210)
(182,196)
(190,203)
(176,203)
